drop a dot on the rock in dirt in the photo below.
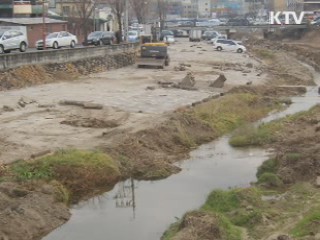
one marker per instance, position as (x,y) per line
(180,68)
(90,123)
(185,64)
(40,154)
(318,182)
(92,106)
(188,82)
(23,101)
(165,84)
(71,102)
(219,82)
(249,65)
(86,105)
(46,106)
(283,237)
(6,108)
(150,88)
(249,83)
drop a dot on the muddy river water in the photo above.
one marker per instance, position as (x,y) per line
(143,210)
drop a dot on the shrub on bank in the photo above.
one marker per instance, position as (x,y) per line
(268,166)
(81,172)
(240,206)
(270,180)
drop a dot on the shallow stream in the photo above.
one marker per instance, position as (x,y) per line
(143,210)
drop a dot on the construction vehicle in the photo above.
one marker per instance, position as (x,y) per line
(154,55)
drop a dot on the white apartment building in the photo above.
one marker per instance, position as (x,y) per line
(204,8)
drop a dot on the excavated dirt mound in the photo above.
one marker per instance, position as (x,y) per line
(107,117)
(199,226)
(298,149)
(151,152)
(32,213)
(90,123)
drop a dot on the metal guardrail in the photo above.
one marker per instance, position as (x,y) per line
(21,2)
(266,27)
(13,60)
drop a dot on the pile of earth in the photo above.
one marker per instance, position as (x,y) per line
(298,148)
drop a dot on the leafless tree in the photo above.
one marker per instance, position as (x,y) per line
(141,9)
(162,12)
(85,10)
(118,8)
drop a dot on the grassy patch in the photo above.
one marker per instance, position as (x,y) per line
(269,166)
(172,231)
(240,206)
(310,224)
(265,54)
(229,230)
(270,180)
(203,225)
(183,137)
(78,171)
(293,157)
(251,136)
(231,111)
(268,132)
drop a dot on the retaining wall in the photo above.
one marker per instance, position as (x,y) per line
(9,61)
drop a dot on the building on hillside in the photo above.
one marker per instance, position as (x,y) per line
(34,26)
(277,5)
(189,9)
(254,8)
(174,9)
(311,5)
(228,7)
(20,8)
(204,8)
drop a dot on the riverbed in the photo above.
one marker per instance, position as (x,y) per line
(144,209)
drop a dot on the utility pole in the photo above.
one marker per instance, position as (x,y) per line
(126,20)
(44,32)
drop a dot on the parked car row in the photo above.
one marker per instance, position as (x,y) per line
(17,40)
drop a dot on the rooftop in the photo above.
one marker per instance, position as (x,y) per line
(30,21)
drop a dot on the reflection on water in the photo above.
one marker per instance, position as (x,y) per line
(125,195)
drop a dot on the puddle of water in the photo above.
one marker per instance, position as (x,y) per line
(144,209)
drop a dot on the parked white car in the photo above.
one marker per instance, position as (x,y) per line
(169,39)
(57,40)
(229,45)
(213,40)
(13,40)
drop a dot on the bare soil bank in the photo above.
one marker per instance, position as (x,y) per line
(26,76)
